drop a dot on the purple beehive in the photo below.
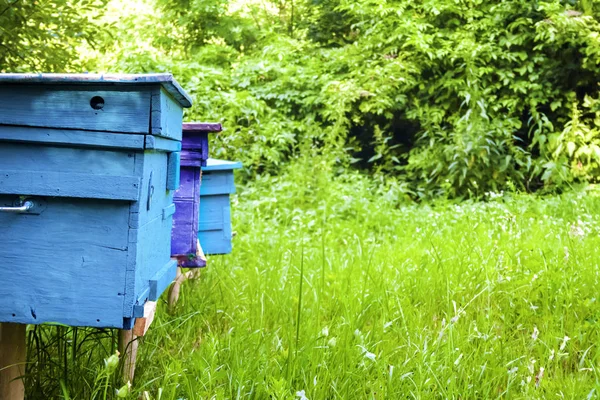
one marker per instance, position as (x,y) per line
(194,153)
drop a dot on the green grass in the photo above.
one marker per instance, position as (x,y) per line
(336,291)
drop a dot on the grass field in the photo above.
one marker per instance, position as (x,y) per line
(335,292)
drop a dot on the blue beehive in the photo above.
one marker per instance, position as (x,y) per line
(214,231)
(88,168)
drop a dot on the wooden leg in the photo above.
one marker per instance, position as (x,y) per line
(12,361)
(176,289)
(128,347)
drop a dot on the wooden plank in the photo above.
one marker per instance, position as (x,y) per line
(162,280)
(168,211)
(73,138)
(173,162)
(166,116)
(217,182)
(142,324)
(166,80)
(159,143)
(122,109)
(214,228)
(57,184)
(51,158)
(12,361)
(66,265)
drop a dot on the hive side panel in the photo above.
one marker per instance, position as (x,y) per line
(28,157)
(214,229)
(217,182)
(154,195)
(41,170)
(66,264)
(71,138)
(167,115)
(153,256)
(72,107)
(150,228)
(185,221)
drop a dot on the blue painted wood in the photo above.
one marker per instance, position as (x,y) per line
(98,244)
(162,279)
(214,229)
(64,265)
(30,183)
(167,81)
(217,177)
(124,110)
(166,115)
(159,143)
(143,106)
(173,170)
(169,211)
(75,138)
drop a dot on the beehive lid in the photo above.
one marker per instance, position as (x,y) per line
(212,164)
(165,80)
(201,127)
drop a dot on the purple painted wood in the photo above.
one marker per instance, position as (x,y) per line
(194,153)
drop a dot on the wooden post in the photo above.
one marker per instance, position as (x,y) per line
(128,340)
(13,354)
(128,347)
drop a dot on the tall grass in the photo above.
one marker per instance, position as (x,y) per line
(337,290)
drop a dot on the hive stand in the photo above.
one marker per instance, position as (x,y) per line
(88,168)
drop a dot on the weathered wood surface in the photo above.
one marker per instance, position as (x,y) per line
(173,176)
(191,127)
(58,184)
(214,229)
(128,348)
(79,138)
(185,222)
(142,324)
(124,110)
(12,361)
(194,154)
(167,81)
(71,263)
(99,244)
(158,143)
(166,116)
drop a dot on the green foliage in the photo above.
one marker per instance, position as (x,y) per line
(43,36)
(454,98)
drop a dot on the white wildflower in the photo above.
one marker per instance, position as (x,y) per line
(535,333)
(301,395)
(369,355)
(325,331)
(332,342)
(538,377)
(577,230)
(564,343)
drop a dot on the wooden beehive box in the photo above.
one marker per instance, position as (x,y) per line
(214,231)
(194,153)
(97,157)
